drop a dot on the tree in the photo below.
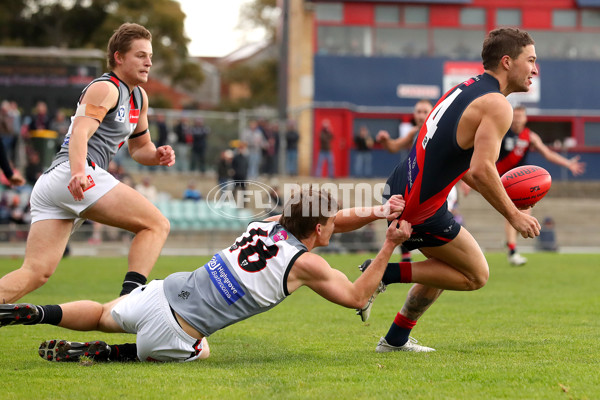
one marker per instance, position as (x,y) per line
(261,77)
(89,24)
(263,14)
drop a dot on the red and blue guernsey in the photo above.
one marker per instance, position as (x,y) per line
(513,151)
(436,162)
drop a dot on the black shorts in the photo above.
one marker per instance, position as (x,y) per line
(437,230)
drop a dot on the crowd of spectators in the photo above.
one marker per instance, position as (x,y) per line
(31,140)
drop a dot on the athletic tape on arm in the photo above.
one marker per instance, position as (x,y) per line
(91,111)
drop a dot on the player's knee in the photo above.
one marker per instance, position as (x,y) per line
(163,226)
(35,275)
(478,280)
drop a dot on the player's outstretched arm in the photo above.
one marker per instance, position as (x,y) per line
(573,164)
(349,219)
(313,271)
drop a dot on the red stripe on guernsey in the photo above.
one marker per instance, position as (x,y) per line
(443,239)
(517,154)
(134,114)
(416,212)
(114,80)
(404,322)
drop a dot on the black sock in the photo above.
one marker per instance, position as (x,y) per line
(50,314)
(132,280)
(123,352)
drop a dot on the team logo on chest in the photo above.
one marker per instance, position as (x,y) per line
(120,117)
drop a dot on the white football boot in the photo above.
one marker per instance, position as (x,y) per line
(411,345)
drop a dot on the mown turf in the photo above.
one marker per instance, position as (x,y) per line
(532,332)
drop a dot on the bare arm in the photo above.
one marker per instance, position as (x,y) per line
(141,147)
(313,271)
(104,96)
(350,219)
(395,145)
(573,164)
(495,120)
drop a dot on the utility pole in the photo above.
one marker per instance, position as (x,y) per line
(282,84)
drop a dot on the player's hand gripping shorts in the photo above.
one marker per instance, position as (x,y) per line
(51,198)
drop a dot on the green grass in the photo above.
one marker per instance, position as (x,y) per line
(532,333)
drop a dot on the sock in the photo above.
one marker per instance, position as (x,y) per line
(400,330)
(123,352)
(132,280)
(512,248)
(398,273)
(50,314)
(406,257)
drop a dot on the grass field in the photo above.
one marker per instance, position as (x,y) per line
(532,333)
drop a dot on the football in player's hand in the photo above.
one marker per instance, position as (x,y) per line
(526,185)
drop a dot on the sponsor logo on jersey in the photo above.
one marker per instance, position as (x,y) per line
(134,116)
(120,117)
(281,235)
(224,280)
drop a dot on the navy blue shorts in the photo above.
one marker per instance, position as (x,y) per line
(437,230)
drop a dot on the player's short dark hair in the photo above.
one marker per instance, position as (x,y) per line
(503,42)
(121,41)
(305,209)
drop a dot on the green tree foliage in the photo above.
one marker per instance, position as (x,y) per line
(260,14)
(261,77)
(90,23)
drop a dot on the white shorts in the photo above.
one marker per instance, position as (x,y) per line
(51,198)
(146,312)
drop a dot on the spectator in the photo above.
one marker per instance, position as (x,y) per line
(182,148)
(271,149)
(15,114)
(147,189)
(291,140)
(34,169)
(364,145)
(200,134)
(191,193)
(547,239)
(255,142)
(225,171)
(40,120)
(325,154)
(163,131)
(7,132)
(240,165)
(60,124)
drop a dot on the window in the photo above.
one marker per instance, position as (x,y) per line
(591,133)
(331,12)
(400,42)
(345,40)
(472,16)
(387,15)
(590,19)
(508,17)
(566,45)
(564,18)
(458,43)
(416,15)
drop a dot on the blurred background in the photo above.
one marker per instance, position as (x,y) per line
(296,68)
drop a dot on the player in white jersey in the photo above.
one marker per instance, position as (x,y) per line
(268,262)
(111,110)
